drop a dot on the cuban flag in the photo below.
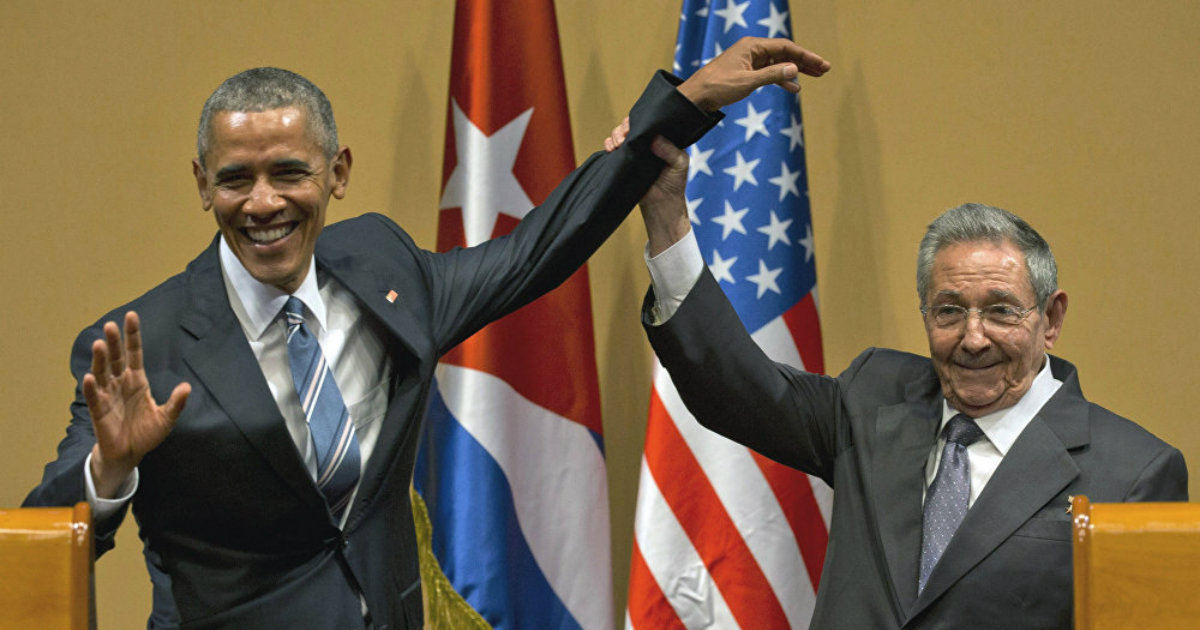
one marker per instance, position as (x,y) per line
(511,466)
(723,537)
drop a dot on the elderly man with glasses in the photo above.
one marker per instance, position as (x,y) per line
(952,474)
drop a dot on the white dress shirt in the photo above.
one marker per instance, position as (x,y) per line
(675,271)
(1000,428)
(352,345)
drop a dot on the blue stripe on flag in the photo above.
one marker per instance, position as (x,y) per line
(468,495)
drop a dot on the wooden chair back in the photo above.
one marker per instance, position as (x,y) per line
(1137,565)
(46,568)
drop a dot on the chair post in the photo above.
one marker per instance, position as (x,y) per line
(1081,511)
(83,608)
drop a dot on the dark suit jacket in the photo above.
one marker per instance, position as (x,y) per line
(868,432)
(226,508)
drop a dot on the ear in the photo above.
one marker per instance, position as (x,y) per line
(1056,312)
(202,184)
(340,166)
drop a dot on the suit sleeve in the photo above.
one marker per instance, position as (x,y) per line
(733,388)
(473,286)
(63,479)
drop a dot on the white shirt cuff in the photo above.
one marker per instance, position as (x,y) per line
(673,273)
(104,508)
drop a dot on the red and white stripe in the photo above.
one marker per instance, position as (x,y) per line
(724,537)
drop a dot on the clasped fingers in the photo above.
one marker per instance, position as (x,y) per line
(617,137)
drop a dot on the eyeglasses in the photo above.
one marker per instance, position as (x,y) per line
(995,315)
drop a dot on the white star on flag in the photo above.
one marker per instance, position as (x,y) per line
(731,221)
(721,268)
(754,121)
(786,181)
(775,23)
(733,14)
(742,172)
(776,231)
(795,134)
(698,161)
(483,183)
(765,278)
(807,242)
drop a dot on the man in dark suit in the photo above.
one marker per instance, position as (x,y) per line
(247,518)
(951,474)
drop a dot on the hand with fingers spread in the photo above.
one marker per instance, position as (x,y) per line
(127,421)
(749,64)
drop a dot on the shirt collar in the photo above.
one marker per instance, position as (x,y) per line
(1003,427)
(257,304)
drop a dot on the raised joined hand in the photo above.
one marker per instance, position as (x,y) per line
(664,210)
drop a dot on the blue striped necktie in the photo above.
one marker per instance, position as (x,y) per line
(948,496)
(324,410)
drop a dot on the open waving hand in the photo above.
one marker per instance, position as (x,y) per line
(127,422)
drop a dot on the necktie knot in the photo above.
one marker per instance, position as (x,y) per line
(293,312)
(962,430)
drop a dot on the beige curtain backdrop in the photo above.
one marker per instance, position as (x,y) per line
(1082,117)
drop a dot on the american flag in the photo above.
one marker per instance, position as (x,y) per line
(511,464)
(725,538)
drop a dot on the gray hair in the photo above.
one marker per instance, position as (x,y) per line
(261,89)
(972,222)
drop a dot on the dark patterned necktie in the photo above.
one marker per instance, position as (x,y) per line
(324,410)
(947,498)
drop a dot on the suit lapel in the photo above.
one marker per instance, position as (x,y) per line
(407,347)
(904,435)
(227,370)
(1033,472)
(380,293)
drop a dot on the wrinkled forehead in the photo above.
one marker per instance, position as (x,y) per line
(980,270)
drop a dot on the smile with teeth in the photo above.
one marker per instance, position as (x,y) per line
(268,234)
